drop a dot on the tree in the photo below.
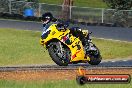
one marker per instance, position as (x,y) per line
(119,4)
(119,16)
(4,6)
(66,8)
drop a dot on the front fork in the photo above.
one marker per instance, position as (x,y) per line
(60,49)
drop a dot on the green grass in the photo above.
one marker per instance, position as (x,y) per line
(90,3)
(56,84)
(59,2)
(19,47)
(114,49)
(81,3)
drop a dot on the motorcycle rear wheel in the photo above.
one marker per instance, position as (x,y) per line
(95,59)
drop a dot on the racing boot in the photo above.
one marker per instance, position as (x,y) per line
(88,44)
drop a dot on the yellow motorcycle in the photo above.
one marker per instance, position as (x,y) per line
(64,48)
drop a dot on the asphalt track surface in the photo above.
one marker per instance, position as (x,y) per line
(121,64)
(115,33)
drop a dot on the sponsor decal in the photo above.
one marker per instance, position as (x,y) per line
(73,56)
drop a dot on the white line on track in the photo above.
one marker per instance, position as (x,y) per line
(125,60)
(113,61)
(113,40)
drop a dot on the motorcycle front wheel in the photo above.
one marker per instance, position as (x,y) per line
(55,52)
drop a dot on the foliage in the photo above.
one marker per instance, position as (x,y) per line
(4,5)
(119,4)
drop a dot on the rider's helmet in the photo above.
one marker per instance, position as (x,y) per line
(47,18)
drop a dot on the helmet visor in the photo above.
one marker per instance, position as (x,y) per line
(45,18)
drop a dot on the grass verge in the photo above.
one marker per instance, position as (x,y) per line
(57,84)
(20,47)
(81,3)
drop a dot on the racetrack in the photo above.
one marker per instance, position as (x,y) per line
(103,65)
(116,33)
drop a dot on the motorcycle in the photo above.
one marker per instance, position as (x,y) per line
(64,48)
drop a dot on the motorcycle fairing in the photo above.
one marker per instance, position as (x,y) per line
(74,44)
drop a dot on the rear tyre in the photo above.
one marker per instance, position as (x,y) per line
(59,58)
(95,57)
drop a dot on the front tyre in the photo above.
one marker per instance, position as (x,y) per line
(55,52)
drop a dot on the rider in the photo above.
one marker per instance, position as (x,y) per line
(48,18)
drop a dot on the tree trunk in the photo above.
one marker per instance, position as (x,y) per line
(66,7)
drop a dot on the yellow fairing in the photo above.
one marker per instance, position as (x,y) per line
(76,47)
